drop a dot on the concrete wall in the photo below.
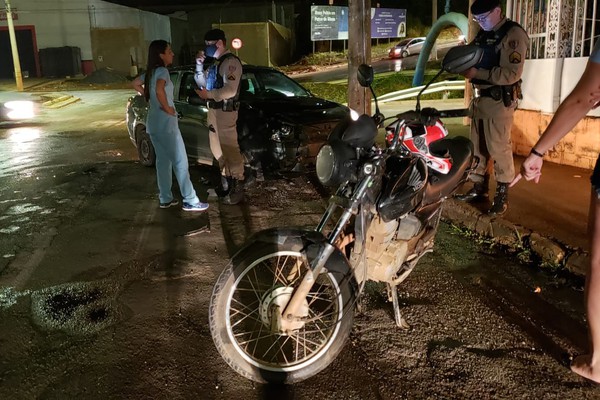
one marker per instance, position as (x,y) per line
(221,14)
(545,84)
(263,43)
(62,23)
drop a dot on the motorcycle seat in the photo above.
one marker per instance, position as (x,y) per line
(440,185)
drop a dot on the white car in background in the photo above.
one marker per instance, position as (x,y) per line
(407,47)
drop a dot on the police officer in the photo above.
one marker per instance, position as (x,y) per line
(496,82)
(218,74)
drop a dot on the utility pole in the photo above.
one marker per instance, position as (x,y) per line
(359,52)
(13,46)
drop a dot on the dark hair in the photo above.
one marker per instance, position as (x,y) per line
(215,34)
(156,48)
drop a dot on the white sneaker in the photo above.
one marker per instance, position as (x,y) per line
(199,206)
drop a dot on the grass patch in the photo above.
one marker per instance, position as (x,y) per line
(384,83)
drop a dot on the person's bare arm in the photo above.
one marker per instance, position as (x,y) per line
(581,100)
(161,96)
(138,85)
(578,103)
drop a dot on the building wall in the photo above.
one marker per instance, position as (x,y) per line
(546,83)
(200,21)
(61,23)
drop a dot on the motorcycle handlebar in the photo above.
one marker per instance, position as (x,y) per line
(459,112)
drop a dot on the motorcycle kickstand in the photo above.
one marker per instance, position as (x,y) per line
(400,322)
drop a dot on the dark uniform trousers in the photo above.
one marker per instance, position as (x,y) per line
(491,137)
(225,141)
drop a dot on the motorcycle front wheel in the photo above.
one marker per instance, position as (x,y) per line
(256,284)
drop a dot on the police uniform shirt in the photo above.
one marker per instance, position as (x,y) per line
(512,48)
(231,71)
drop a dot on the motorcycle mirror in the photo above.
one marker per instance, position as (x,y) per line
(365,75)
(461,58)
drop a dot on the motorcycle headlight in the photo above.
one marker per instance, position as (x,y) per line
(335,163)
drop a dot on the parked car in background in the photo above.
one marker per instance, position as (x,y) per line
(280,123)
(407,47)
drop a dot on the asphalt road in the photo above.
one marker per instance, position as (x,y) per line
(103,295)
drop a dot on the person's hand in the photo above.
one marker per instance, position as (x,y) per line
(531,169)
(595,100)
(200,57)
(202,93)
(170,110)
(469,73)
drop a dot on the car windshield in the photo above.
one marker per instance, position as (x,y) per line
(403,42)
(266,84)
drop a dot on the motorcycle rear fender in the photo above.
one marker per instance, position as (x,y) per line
(304,240)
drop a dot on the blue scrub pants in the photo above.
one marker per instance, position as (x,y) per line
(171,158)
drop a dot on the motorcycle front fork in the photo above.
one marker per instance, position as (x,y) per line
(290,314)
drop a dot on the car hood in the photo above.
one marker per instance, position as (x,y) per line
(301,110)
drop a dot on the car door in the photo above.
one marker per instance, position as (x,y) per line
(193,119)
(417,45)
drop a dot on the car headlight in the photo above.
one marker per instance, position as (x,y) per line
(335,163)
(21,109)
(284,130)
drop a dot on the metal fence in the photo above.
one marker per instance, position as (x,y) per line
(557,28)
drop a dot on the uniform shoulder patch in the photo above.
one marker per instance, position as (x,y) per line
(231,77)
(514,57)
(512,44)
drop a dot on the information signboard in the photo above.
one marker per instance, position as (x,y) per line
(331,23)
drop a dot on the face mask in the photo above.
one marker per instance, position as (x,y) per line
(210,50)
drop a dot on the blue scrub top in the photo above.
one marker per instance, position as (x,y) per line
(158,121)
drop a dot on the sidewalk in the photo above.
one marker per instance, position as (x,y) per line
(548,218)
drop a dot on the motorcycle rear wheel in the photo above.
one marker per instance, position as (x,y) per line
(240,315)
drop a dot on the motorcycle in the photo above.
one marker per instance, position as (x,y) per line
(283,308)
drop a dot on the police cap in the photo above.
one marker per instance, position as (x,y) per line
(214,34)
(483,6)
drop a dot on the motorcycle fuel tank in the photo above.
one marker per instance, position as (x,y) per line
(403,187)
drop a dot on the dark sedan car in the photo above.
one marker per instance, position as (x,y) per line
(280,124)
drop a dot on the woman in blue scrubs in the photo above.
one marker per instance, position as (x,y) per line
(162,127)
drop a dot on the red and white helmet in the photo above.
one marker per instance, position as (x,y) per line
(418,137)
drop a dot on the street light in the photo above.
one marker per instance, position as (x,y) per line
(13,46)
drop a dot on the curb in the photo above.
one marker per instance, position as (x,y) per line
(61,101)
(548,251)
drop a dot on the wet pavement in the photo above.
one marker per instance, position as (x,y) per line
(103,295)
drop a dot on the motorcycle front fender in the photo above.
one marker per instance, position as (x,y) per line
(300,239)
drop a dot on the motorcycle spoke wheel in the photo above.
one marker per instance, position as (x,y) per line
(250,294)
(266,284)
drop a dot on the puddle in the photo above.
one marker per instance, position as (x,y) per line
(10,229)
(9,296)
(23,209)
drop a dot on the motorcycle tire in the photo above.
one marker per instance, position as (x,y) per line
(260,278)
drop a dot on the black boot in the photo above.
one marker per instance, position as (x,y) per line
(500,204)
(477,194)
(223,187)
(236,193)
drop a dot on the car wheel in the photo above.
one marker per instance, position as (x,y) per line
(145,148)
(404,53)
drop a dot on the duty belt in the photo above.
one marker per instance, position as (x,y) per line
(214,104)
(495,92)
